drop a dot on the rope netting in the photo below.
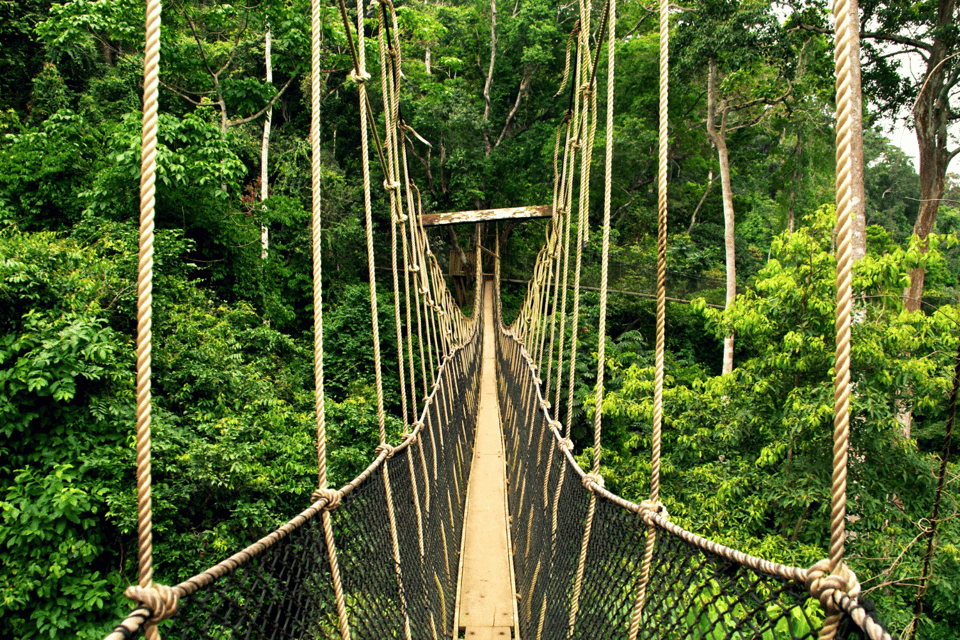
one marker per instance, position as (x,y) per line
(696,588)
(281,586)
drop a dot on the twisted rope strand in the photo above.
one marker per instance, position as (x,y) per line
(148,173)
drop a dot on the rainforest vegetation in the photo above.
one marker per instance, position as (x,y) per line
(747,434)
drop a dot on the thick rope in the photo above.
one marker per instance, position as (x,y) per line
(846,41)
(148,173)
(664,121)
(333,497)
(361,76)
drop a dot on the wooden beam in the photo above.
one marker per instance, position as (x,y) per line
(485,215)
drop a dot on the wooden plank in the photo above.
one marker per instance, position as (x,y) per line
(486,215)
(488,633)
(486,602)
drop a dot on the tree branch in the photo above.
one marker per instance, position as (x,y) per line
(234,123)
(873,35)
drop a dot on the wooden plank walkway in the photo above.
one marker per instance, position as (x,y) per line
(486,608)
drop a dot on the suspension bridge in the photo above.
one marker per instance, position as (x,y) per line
(479,522)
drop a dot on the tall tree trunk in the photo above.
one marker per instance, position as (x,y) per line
(487,107)
(718,137)
(265,151)
(858,200)
(795,180)
(931,115)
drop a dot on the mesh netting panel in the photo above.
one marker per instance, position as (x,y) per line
(697,594)
(611,573)
(366,560)
(285,593)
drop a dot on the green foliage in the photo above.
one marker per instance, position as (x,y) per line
(44,170)
(65,389)
(747,455)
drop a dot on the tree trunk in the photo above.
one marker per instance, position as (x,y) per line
(931,114)
(265,151)
(486,85)
(795,181)
(858,196)
(718,137)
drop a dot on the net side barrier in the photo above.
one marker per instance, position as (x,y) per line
(280,586)
(697,589)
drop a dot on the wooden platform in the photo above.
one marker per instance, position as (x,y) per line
(486,215)
(486,607)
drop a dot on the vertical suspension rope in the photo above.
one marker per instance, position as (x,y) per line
(319,394)
(654,502)
(360,76)
(593,479)
(830,576)
(148,173)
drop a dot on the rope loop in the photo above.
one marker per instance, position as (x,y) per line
(160,599)
(384,448)
(333,497)
(654,506)
(566,444)
(823,584)
(592,480)
(357,77)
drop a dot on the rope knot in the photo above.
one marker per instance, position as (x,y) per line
(417,428)
(391,185)
(592,479)
(545,405)
(566,444)
(384,448)
(822,584)
(332,496)
(160,599)
(357,77)
(401,218)
(556,425)
(654,506)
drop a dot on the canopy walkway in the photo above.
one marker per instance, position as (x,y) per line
(480,520)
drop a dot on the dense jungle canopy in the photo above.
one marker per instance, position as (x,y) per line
(746,453)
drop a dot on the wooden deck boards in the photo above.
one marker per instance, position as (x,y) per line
(486,604)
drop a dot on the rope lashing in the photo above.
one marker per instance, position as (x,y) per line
(358,78)
(822,583)
(591,480)
(332,496)
(160,599)
(654,506)
(385,450)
